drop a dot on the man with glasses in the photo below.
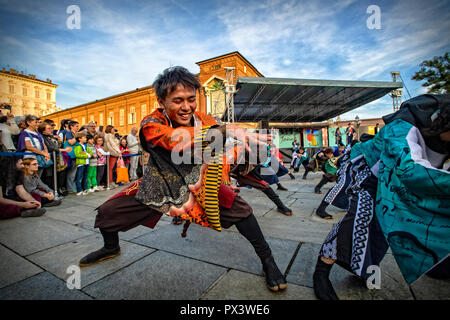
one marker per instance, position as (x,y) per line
(91,128)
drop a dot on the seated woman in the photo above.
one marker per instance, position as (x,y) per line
(15,201)
(34,185)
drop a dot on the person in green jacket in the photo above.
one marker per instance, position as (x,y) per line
(92,169)
(330,168)
(82,154)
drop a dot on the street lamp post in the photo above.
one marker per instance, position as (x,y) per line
(358,123)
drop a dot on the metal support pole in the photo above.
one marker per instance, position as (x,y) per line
(55,178)
(107,173)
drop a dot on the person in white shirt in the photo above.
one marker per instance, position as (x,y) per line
(133,147)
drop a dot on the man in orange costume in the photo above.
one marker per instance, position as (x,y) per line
(196,191)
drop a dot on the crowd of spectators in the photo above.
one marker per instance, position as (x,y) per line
(35,154)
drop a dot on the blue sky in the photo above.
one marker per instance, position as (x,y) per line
(123,45)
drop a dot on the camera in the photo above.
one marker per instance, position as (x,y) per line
(5,106)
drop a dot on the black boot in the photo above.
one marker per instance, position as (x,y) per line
(250,229)
(110,250)
(321,211)
(276,199)
(305,174)
(291,175)
(280,187)
(320,185)
(322,285)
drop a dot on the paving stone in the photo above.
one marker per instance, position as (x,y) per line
(43,286)
(237,285)
(57,260)
(75,214)
(293,228)
(29,235)
(228,249)
(426,288)
(161,275)
(346,285)
(14,268)
(298,210)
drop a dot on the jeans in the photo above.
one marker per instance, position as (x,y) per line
(81,177)
(133,167)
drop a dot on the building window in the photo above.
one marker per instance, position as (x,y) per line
(143,110)
(111,118)
(91,118)
(83,121)
(49,96)
(11,88)
(245,69)
(121,117)
(36,94)
(101,119)
(155,105)
(216,67)
(24,92)
(132,116)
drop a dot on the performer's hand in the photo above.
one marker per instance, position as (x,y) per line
(246,137)
(235,188)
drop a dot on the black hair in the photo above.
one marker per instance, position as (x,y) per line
(63,124)
(89,136)
(167,81)
(3,119)
(72,123)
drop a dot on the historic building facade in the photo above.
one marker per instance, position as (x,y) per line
(127,109)
(26,94)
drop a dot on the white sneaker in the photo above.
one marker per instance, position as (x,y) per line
(90,190)
(85,192)
(81,193)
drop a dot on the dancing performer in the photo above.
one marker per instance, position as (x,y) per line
(299,157)
(317,162)
(273,167)
(399,196)
(197,191)
(337,195)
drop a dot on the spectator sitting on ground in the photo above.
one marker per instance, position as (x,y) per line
(15,201)
(34,185)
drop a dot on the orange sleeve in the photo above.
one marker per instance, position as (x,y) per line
(160,135)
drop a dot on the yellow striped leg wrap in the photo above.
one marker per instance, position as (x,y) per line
(213,181)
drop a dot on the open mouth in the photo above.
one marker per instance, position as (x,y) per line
(186,116)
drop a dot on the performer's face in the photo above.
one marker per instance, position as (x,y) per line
(180,105)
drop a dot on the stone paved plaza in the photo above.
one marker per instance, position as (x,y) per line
(35,254)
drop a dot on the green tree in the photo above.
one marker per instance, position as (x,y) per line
(436,72)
